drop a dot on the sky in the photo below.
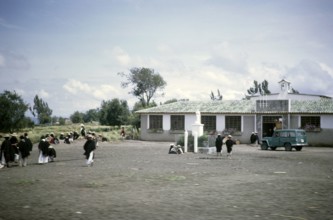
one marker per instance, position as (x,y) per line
(69,52)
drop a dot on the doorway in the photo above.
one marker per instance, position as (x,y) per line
(268,125)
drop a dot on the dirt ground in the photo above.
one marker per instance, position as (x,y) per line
(140,180)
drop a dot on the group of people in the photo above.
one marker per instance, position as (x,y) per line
(175,149)
(227,140)
(15,149)
(47,153)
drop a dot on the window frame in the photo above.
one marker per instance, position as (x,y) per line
(211,125)
(155,122)
(310,123)
(235,126)
(177,122)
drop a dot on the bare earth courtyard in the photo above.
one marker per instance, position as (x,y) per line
(140,180)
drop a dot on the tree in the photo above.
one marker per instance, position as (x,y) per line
(294,91)
(42,110)
(114,112)
(134,119)
(62,121)
(12,110)
(170,101)
(77,117)
(259,88)
(145,83)
(217,97)
(91,115)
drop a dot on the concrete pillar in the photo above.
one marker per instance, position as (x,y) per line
(195,134)
(185,141)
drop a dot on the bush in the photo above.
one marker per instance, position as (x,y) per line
(202,140)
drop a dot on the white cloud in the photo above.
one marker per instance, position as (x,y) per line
(99,92)
(43,94)
(13,60)
(121,56)
(228,57)
(311,77)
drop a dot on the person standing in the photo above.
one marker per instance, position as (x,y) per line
(256,139)
(43,147)
(218,145)
(7,152)
(28,141)
(89,147)
(229,143)
(24,152)
(83,131)
(14,141)
(252,138)
(122,133)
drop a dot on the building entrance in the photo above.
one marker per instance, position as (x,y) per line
(268,125)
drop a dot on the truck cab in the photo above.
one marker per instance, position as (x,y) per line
(287,138)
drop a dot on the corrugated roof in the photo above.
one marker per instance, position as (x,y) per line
(241,106)
(312,106)
(324,106)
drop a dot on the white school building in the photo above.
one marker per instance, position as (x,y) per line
(263,114)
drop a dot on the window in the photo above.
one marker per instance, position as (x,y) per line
(156,122)
(309,123)
(209,123)
(233,123)
(177,122)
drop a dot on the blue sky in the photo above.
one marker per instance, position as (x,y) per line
(70,51)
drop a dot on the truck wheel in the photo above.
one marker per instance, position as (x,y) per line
(288,147)
(298,148)
(264,146)
(273,148)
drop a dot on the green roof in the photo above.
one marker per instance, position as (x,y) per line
(313,106)
(324,106)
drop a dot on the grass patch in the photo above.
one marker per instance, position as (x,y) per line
(111,133)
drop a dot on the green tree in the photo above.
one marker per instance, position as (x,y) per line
(217,97)
(62,121)
(12,110)
(145,83)
(134,119)
(259,88)
(77,117)
(170,101)
(41,110)
(91,115)
(114,112)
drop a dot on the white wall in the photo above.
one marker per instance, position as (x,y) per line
(166,122)
(326,121)
(220,122)
(189,121)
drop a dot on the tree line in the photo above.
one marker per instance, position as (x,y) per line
(145,84)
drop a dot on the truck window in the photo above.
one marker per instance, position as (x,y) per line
(283,134)
(292,134)
(300,133)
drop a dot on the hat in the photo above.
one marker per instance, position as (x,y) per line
(229,136)
(218,134)
(6,135)
(82,125)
